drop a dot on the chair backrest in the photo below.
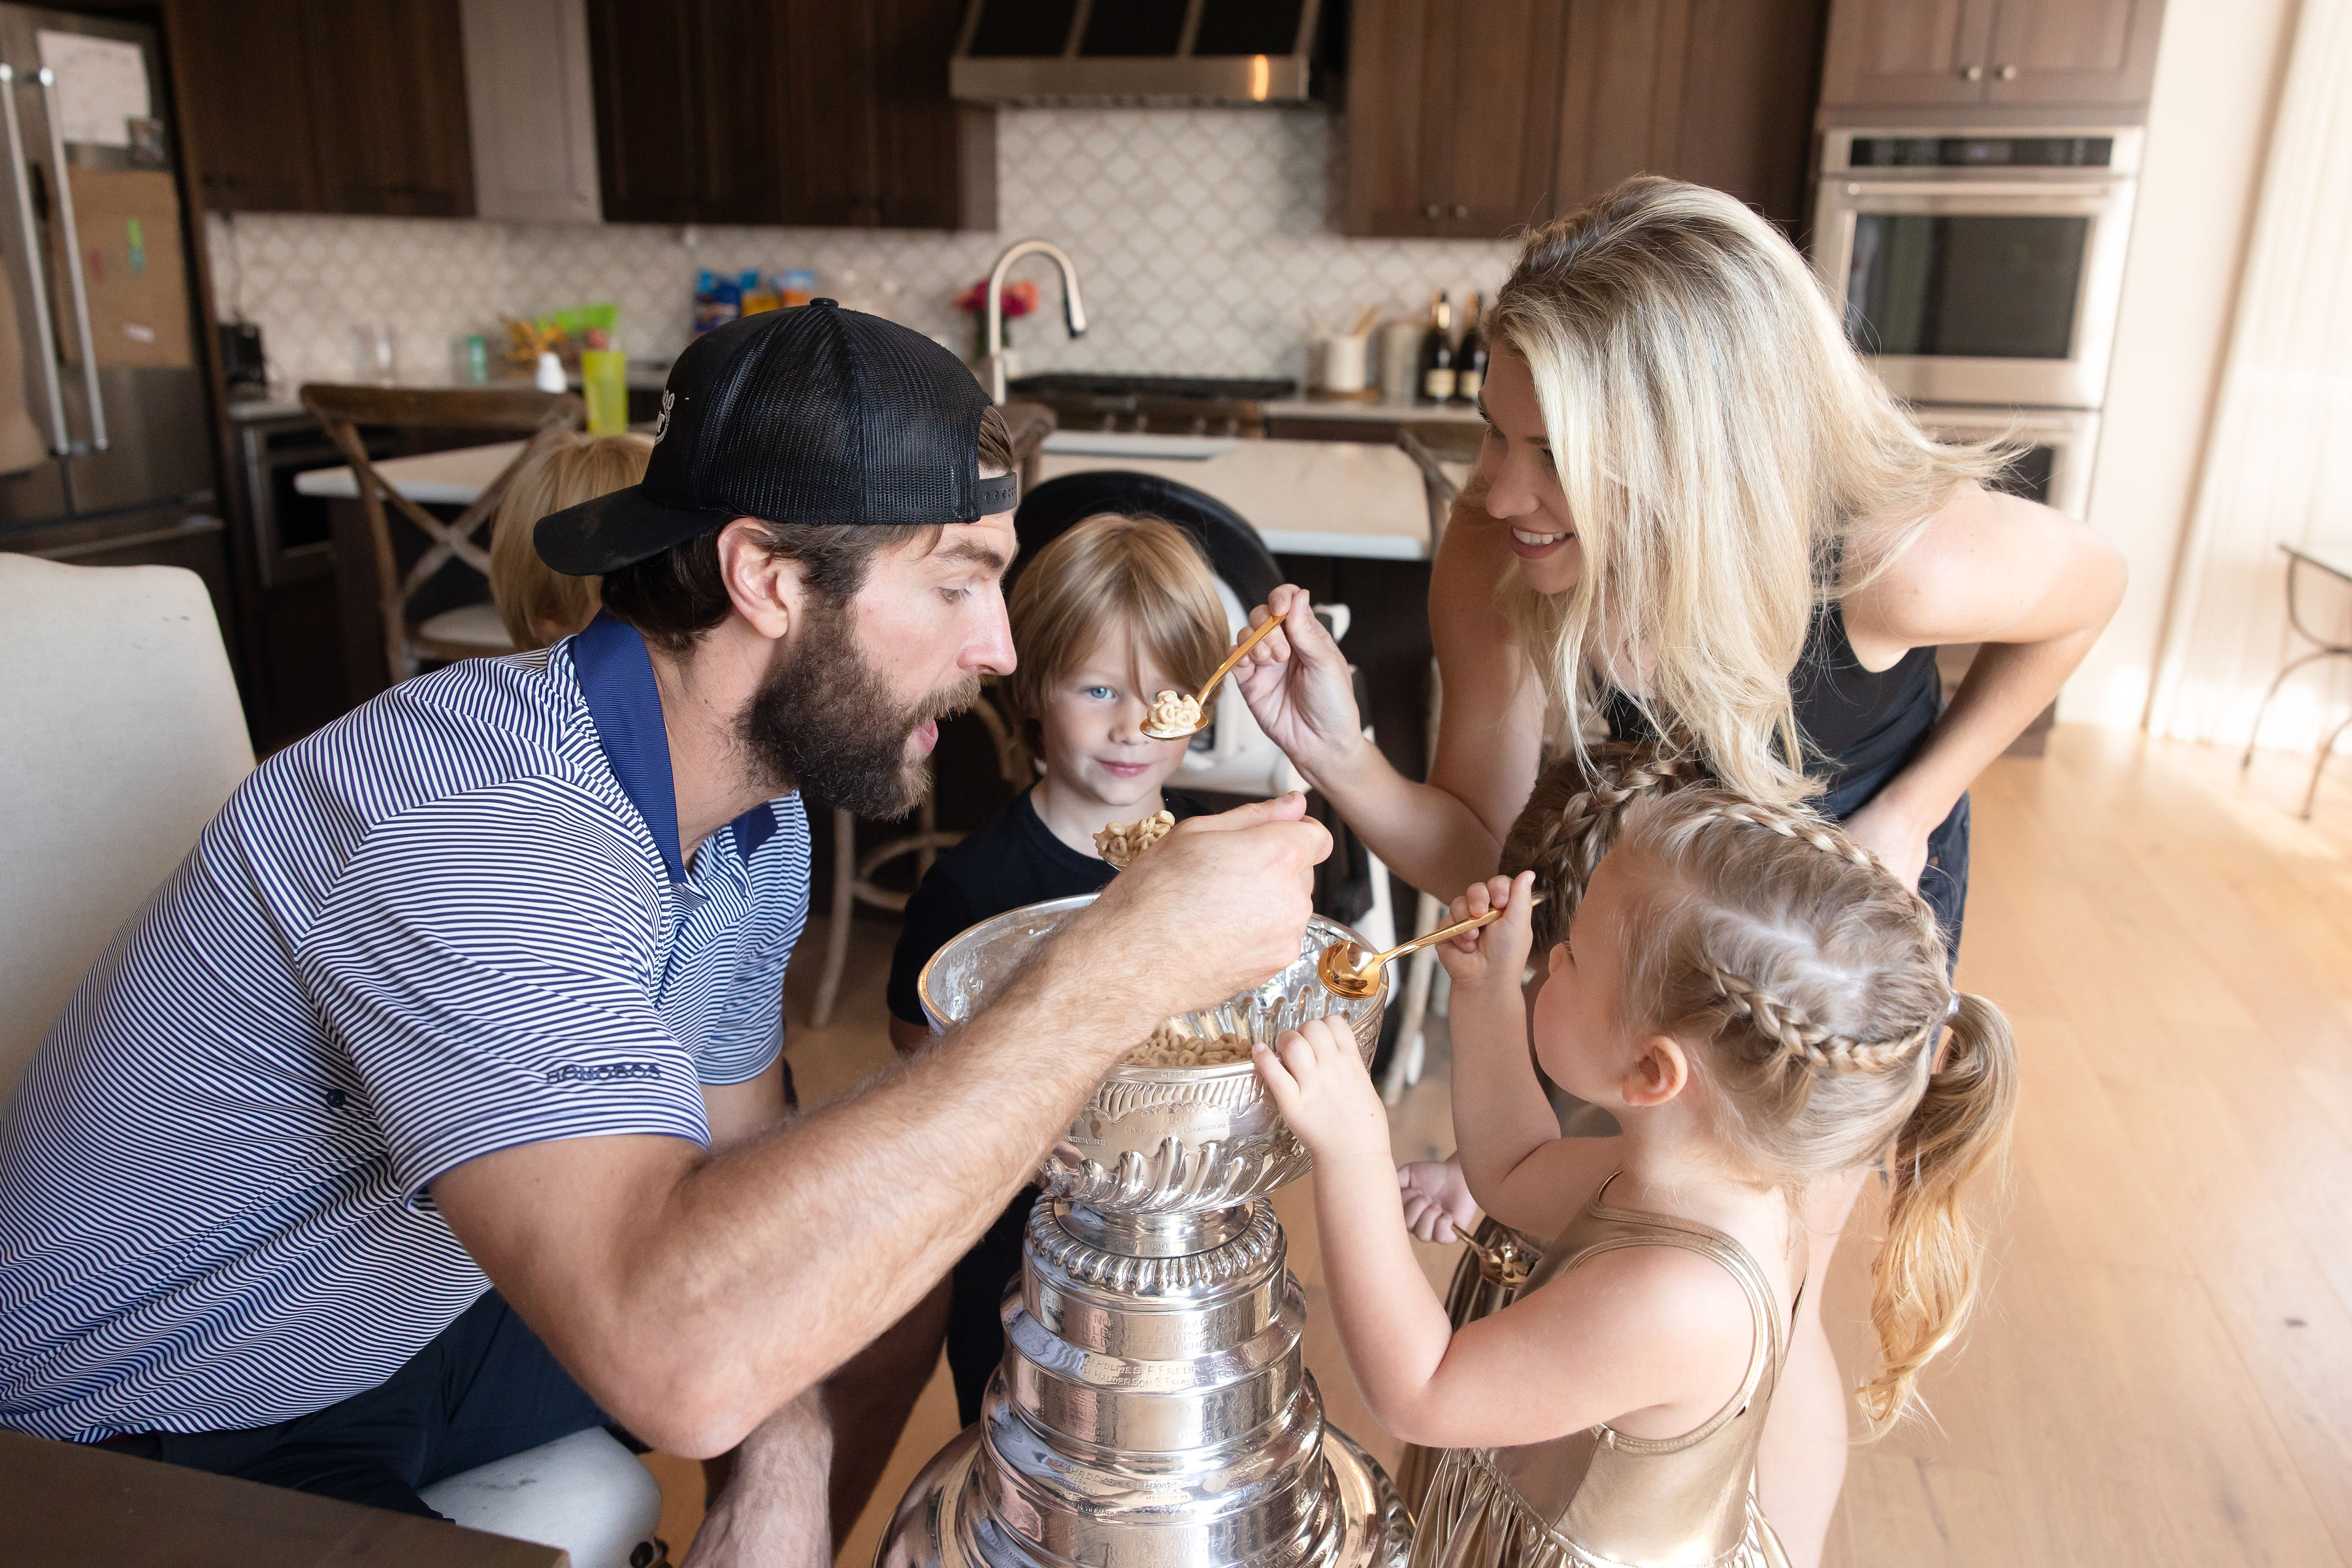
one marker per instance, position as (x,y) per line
(543,416)
(124,736)
(1236,553)
(1444,451)
(1233,754)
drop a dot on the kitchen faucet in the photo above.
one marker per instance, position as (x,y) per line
(1073,310)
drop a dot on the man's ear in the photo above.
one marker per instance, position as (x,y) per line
(1658,1074)
(766,587)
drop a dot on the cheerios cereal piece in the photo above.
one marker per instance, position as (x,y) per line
(1120,842)
(1173,713)
(1172,1044)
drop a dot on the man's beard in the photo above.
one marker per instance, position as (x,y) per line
(828,721)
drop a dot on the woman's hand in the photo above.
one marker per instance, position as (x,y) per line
(1437,1201)
(1296,683)
(1892,833)
(1495,954)
(1320,1085)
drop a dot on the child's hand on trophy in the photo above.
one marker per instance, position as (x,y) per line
(1316,1074)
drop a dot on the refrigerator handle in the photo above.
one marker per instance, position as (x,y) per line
(73,262)
(46,351)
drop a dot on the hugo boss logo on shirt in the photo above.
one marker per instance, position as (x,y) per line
(600,1072)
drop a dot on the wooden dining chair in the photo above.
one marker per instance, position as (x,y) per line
(468,631)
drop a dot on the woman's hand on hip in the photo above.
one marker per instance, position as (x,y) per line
(1297,685)
(1895,835)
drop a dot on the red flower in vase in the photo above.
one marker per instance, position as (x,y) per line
(1019,299)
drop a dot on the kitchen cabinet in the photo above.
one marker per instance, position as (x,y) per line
(685,111)
(2043,53)
(248,104)
(1469,118)
(1453,115)
(330,106)
(531,110)
(807,113)
(388,97)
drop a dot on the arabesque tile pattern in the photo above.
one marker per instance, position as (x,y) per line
(1202,238)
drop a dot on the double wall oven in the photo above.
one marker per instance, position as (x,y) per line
(1981,273)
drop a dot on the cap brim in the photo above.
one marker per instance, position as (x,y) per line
(616,530)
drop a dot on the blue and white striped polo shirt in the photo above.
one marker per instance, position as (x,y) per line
(454,920)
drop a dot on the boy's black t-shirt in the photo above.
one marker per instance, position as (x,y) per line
(1012,859)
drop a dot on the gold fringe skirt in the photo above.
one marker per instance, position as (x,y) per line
(1473,1518)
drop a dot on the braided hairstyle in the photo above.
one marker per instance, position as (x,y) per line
(1571,819)
(1809,987)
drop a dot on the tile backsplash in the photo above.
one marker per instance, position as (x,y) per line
(1202,238)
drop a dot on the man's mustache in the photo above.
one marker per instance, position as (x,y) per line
(946,704)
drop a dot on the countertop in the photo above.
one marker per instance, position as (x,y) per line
(1307,497)
(652,376)
(1399,413)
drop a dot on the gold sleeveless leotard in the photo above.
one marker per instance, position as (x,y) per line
(1600,1499)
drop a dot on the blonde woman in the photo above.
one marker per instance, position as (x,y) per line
(1698,516)
(538,605)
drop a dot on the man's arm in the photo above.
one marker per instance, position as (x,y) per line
(693,1293)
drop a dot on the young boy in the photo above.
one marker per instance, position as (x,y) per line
(1114,610)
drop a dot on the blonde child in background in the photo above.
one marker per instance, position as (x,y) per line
(540,606)
(1762,1005)
(1111,611)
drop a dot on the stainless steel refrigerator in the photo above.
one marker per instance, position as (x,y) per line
(106,452)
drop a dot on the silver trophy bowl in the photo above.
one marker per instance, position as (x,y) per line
(1152,1410)
(1161,1140)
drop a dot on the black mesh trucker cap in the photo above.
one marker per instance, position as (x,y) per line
(814,414)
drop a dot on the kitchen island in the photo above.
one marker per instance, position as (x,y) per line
(1305,498)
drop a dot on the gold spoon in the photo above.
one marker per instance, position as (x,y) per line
(1344,977)
(1174,715)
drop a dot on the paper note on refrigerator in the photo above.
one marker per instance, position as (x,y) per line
(101,87)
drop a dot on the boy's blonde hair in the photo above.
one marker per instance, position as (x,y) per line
(1814,988)
(1719,441)
(1111,569)
(575,469)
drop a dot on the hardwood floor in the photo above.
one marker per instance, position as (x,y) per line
(2162,1369)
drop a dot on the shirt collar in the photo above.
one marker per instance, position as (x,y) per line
(616,680)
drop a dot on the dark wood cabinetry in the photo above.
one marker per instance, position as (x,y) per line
(2040,53)
(388,96)
(685,108)
(249,102)
(807,111)
(1472,117)
(330,106)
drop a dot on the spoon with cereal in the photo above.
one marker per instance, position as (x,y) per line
(1120,842)
(1175,714)
(1343,975)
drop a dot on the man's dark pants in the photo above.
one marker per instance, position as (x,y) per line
(485,1388)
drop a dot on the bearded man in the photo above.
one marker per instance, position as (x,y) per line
(433,1108)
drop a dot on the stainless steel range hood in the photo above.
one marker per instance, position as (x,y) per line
(1151,53)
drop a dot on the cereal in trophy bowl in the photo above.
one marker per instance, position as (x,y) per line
(1173,713)
(1120,842)
(1172,1044)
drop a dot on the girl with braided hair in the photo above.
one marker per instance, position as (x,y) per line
(1699,518)
(1763,1007)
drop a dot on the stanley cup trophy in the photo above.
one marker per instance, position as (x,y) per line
(1151,1410)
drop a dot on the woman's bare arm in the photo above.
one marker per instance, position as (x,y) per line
(1442,835)
(2036,588)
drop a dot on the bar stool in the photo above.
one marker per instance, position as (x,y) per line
(467,631)
(1445,453)
(2333,557)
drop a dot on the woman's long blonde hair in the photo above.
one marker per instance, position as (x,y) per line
(1812,990)
(1720,443)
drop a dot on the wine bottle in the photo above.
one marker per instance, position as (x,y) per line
(1437,352)
(1470,357)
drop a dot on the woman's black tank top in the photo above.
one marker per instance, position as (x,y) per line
(1860,726)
